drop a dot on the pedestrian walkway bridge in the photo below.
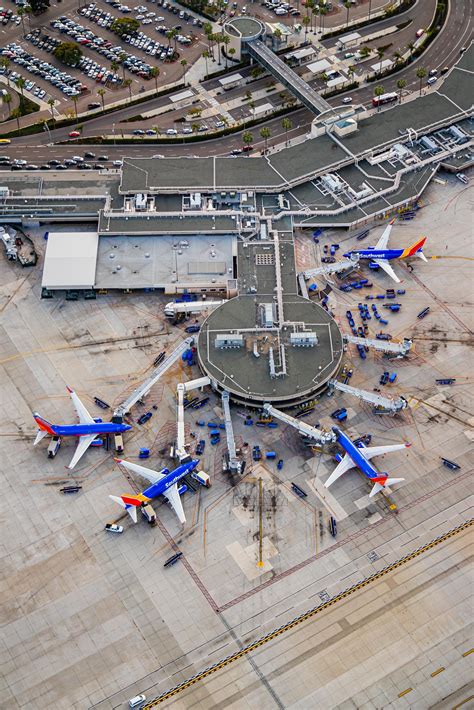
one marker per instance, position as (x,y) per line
(281,71)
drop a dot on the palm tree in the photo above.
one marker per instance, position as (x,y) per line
(378,91)
(231,51)
(225,42)
(365,52)
(114,66)
(184,64)
(411,47)
(351,72)
(347,5)
(16,113)
(128,84)
(101,93)
(20,82)
(265,132)
(7,99)
(206,56)
(401,83)
(218,39)
(287,125)
(305,22)
(398,56)
(323,12)
(380,55)
(278,35)
(251,105)
(421,73)
(155,73)
(21,11)
(74,101)
(51,103)
(122,58)
(247,139)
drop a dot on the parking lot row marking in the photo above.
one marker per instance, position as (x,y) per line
(308,615)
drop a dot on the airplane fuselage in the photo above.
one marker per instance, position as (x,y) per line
(386,254)
(160,487)
(355,453)
(85,429)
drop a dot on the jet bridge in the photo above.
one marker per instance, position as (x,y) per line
(235,465)
(323,437)
(383,405)
(385,346)
(172,309)
(183,387)
(146,386)
(327,269)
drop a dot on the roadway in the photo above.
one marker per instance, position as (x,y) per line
(444,51)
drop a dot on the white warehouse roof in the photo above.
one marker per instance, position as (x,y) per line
(226,80)
(320,66)
(70,260)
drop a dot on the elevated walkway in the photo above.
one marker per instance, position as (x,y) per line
(282,72)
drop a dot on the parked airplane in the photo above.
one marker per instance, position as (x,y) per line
(87,429)
(360,457)
(163,482)
(380,255)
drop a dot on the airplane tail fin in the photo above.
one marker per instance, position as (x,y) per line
(130,503)
(44,427)
(415,250)
(383,482)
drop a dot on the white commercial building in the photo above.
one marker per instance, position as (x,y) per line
(70,260)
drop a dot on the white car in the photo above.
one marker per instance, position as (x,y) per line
(432,80)
(171,132)
(111,527)
(462,178)
(347,100)
(137,700)
(117,163)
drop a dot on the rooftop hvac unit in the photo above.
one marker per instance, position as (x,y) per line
(226,341)
(306,339)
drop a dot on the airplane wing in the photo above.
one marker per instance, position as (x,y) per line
(383,263)
(175,500)
(82,445)
(341,468)
(368,452)
(82,413)
(148,473)
(383,241)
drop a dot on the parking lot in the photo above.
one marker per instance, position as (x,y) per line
(120,66)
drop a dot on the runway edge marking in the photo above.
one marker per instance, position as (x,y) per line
(305,616)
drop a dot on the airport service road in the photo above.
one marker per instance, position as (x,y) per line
(455,34)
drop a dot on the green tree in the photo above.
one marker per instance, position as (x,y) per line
(306,23)
(206,55)
(68,52)
(231,52)
(155,73)
(255,72)
(124,26)
(398,57)
(21,11)
(411,47)
(101,93)
(378,91)
(365,52)
(16,113)
(347,5)
(323,12)
(421,73)
(184,64)
(401,83)
(114,66)
(225,42)
(287,125)
(5,63)
(20,82)
(247,140)
(7,99)
(380,55)
(38,6)
(122,58)
(277,33)
(128,85)
(51,103)
(265,132)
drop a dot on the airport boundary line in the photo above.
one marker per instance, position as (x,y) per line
(306,616)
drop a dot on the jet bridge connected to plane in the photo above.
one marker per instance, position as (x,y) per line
(323,437)
(383,405)
(235,465)
(328,269)
(183,387)
(145,387)
(385,346)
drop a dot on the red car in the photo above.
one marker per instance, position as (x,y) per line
(74,134)
(247,148)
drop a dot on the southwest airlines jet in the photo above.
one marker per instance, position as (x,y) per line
(360,457)
(86,431)
(164,483)
(380,255)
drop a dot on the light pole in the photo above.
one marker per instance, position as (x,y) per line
(113,131)
(46,128)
